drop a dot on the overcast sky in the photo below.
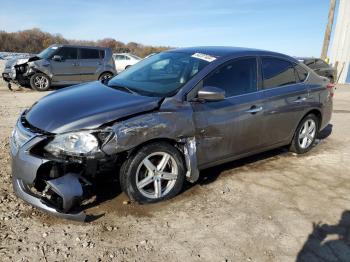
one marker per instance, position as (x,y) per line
(294,27)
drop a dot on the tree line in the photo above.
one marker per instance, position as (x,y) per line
(34,40)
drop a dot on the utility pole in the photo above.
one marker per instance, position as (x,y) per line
(327,36)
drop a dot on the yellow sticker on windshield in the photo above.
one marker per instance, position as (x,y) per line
(205,57)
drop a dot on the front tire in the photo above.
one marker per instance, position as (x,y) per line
(40,82)
(305,135)
(154,173)
(105,76)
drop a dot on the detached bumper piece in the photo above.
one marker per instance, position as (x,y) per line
(61,186)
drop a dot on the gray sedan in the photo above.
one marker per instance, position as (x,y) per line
(163,120)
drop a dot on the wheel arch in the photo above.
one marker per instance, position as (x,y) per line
(314,111)
(317,113)
(184,146)
(170,141)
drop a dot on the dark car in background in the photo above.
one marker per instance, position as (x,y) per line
(61,65)
(320,67)
(158,123)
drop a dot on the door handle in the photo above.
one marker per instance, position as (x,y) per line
(300,100)
(255,109)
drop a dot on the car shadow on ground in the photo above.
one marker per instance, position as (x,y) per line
(328,242)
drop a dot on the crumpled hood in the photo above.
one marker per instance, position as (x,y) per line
(19,61)
(86,106)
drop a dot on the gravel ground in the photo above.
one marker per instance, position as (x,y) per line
(262,208)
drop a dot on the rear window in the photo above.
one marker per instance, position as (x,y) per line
(86,53)
(277,72)
(321,64)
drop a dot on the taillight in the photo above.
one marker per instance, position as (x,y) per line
(331,87)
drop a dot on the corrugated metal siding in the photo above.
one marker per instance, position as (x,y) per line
(340,47)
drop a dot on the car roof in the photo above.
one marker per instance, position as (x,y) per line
(222,51)
(80,46)
(122,54)
(308,58)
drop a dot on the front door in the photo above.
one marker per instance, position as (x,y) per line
(65,71)
(230,127)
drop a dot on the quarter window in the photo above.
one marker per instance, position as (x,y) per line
(102,54)
(87,53)
(67,53)
(277,72)
(235,77)
(301,73)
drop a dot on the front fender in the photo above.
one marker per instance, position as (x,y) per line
(140,129)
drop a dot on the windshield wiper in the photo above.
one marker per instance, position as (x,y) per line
(123,88)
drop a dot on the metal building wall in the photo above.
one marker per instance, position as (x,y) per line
(340,47)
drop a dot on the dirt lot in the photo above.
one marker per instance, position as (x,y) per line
(257,209)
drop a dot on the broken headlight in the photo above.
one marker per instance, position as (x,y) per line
(75,144)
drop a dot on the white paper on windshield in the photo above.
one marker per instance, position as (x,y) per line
(54,47)
(204,57)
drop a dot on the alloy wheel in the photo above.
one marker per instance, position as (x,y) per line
(307,133)
(156,175)
(41,82)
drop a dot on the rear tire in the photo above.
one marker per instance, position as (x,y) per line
(305,135)
(154,173)
(40,82)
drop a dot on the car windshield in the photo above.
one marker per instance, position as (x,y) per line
(160,75)
(48,52)
(134,56)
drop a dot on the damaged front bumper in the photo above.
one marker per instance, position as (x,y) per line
(9,75)
(57,195)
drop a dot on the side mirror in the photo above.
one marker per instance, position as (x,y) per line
(211,93)
(57,58)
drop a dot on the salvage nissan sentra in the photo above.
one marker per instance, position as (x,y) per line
(158,123)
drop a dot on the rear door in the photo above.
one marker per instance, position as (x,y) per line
(89,62)
(284,100)
(230,127)
(66,70)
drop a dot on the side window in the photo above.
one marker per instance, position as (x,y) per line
(277,72)
(87,53)
(301,73)
(235,77)
(67,53)
(126,58)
